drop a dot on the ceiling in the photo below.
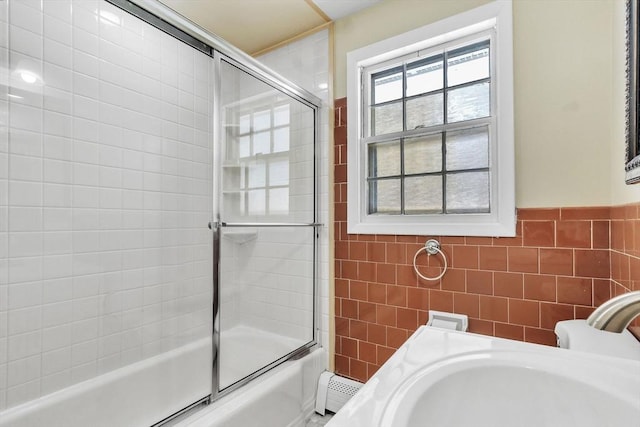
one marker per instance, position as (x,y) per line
(256,25)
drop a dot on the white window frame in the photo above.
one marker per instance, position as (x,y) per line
(500,222)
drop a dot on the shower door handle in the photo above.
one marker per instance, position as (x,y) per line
(269,224)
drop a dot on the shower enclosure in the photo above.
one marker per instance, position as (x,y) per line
(158,214)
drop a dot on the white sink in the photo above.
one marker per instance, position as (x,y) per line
(448,378)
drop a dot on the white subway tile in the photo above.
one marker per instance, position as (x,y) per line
(25,16)
(57,124)
(56,314)
(85,130)
(56,171)
(26,42)
(54,382)
(57,266)
(25,219)
(57,29)
(56,147)
(57,100)
(56,337)
(26,117)
(86,108)
(85,41)
(85,63)
(23,270)
(22,346)
(57,53)
(25,244)
(85,330)
(57,243)
(56,195)
(24,320)
(58,77)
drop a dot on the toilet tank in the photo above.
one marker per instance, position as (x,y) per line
(577,335)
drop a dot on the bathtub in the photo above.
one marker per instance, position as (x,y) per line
(125,397)
(282,397)
(129,396)
(245,349)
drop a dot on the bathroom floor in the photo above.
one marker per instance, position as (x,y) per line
(318,420)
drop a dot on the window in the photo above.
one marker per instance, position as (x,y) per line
(263,152)
(431,129)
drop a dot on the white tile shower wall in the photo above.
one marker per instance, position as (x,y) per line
(105,193)
(306,63)
(4,197)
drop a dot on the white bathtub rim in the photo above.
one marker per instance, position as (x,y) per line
(68,395)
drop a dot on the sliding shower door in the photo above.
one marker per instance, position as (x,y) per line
(266,227)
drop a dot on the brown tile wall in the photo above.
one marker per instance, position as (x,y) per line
(561,264)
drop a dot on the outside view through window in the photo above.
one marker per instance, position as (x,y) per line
(428,134)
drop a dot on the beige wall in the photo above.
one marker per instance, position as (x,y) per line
(569,91)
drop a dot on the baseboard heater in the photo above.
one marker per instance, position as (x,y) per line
(334,391)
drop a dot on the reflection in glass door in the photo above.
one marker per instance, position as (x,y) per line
(266,229)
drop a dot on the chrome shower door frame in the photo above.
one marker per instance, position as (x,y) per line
(217,225)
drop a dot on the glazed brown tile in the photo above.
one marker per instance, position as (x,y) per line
(377,293)
(376,334)
(601,291)
(342,288)
(358,290)
(407,318)
(494,308)
(508,284)
(454,280)
(552,313)
(358,370)
(396,253)
(367,311)
(367,352)
(357,330)
(573,234)
(349,269)
(539,214)
(600,234)
(342,365)
(384,353)
(342,326)
(396,337)
(556,261)
(397,295)
(538,233)
(440,300)
(386,315)
(592,263)
(523,260)
(464,257)
(523,312)
(386,273)
(367,271)
(376,252)
(477,326)
(478,241)
(493,258)
(468,304)
(512,332)
(540,287)
(418,298)
(349,347)
(575,290)
(596,212)
(480,282)
(350,309)
(539,336)
(406,275)
(340,211)
(582,312)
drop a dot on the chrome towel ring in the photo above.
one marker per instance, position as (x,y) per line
(432,247)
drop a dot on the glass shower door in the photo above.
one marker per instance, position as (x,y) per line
(266,232)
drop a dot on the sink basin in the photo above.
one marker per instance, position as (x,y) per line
(448,378)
